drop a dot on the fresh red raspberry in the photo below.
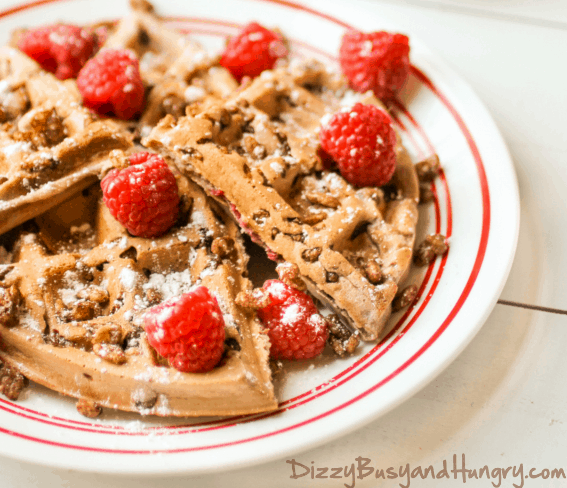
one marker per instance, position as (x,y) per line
(252,51)
(378,61)
(144,197)
(362,142)
(295,327)
(61,49)
(188,331)
(110,83)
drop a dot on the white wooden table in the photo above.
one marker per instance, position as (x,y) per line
(503,401)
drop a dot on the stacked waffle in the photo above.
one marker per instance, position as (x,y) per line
(50,146)
(352,246)
(75,285)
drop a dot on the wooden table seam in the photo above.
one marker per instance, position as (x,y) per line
(532,307)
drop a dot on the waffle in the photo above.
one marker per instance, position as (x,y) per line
(74,286)
(50,146)
(256,154)
(177,70)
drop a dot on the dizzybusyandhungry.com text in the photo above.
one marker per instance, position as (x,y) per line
(363,469)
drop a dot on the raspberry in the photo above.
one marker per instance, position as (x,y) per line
(144,197)
(110,83)
(362,142)
(188,331)
(252,51)
(60,49)
(295,328)
(378,61)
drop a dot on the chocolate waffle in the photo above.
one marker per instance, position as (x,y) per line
(177,70)
(50,146)
(257,154)
(74,286)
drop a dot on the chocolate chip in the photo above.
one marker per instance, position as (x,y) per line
(82,310)
(404,298)
(331,277)
(144,398)
(434,245)
(311,255)
(88,408)
(191,152)
(232,343)
(45,129)
(9,301)
(426,195)
(341,338)
(143,37)
(428,169)
(373,272)
(260,216)
(289,273)
(110,352)
(391,192)
(130,253)
(12,382)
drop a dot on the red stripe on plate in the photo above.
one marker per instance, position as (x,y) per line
(468,287)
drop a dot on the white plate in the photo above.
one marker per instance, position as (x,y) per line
(477,206)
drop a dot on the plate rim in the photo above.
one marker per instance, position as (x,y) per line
(447,70)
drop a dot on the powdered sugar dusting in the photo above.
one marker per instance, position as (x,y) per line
(128,279)
(27,320)
(72,286)
(198,219)
(277,167)
(277,289)
(292,314)
(194,93)
(227,316)
(17,147)
(170,285)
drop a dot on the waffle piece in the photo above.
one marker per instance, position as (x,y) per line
(178,70)
(74,291)
(50,146)
(257,155)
